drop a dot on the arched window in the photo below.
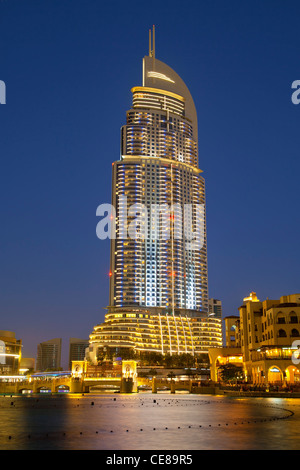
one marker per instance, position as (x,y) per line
(281,334)
(293,318)
(294,333)
(280,318)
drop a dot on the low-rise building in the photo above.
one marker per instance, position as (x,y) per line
(266,334)
(135,329)
(10,353)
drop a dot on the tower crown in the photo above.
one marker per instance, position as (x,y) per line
(158,75)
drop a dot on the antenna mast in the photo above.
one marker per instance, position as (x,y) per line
(152,43)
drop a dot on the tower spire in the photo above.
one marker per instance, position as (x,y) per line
(152,43)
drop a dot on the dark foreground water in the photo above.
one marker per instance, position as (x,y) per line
(148,422)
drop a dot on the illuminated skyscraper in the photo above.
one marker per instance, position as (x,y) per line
(158,278)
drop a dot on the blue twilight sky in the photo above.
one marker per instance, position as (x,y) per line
(68,66)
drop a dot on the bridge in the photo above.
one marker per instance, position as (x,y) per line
(90,379)
(164,384)
(53,385)
(60,384)
(93,384)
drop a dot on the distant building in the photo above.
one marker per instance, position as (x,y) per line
(77,349)
(10,353)
(49,355)
(215,307)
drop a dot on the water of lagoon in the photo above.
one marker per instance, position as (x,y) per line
(147,421)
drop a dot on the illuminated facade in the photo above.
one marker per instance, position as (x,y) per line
(266,335)
(158,281)
(159,166)
(267,332)
(154,330)
(10,353)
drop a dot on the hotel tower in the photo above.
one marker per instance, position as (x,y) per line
(158,300)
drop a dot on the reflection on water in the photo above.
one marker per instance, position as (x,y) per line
(147,421)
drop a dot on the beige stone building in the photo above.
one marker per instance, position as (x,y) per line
(266,336)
